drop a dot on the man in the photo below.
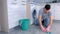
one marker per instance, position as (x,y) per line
(45,18)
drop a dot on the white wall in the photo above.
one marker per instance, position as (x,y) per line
(15,13)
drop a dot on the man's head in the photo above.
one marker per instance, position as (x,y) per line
(47,8)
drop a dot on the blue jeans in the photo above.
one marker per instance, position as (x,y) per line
(45,22)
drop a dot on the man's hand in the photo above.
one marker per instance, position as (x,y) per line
(43,29)
(50,23)
(48,28)
(40,23)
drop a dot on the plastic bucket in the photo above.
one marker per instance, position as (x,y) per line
(24,23)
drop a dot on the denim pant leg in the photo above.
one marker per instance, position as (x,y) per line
(36,22)
(46,22)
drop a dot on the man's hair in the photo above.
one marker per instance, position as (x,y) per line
(47,6)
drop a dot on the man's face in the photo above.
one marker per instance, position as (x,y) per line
(46,10)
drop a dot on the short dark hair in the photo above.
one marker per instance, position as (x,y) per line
(47,6)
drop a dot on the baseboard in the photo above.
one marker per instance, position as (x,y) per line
(15,28)
(56,21)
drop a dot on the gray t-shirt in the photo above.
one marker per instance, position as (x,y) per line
(43,14)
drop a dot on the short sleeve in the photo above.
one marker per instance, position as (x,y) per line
(50,14)
(40,13)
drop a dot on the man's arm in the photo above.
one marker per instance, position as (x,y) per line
(40,19)
(51,21)
(50,24)
(40,23)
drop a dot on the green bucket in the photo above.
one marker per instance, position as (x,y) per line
(24,23)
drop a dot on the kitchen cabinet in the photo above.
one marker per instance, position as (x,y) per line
(55,8)
(57,11)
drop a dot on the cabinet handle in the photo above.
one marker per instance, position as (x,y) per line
(31,3)
(23,4)
(23,1)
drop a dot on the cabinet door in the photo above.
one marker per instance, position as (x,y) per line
(53,10)
(57,12)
